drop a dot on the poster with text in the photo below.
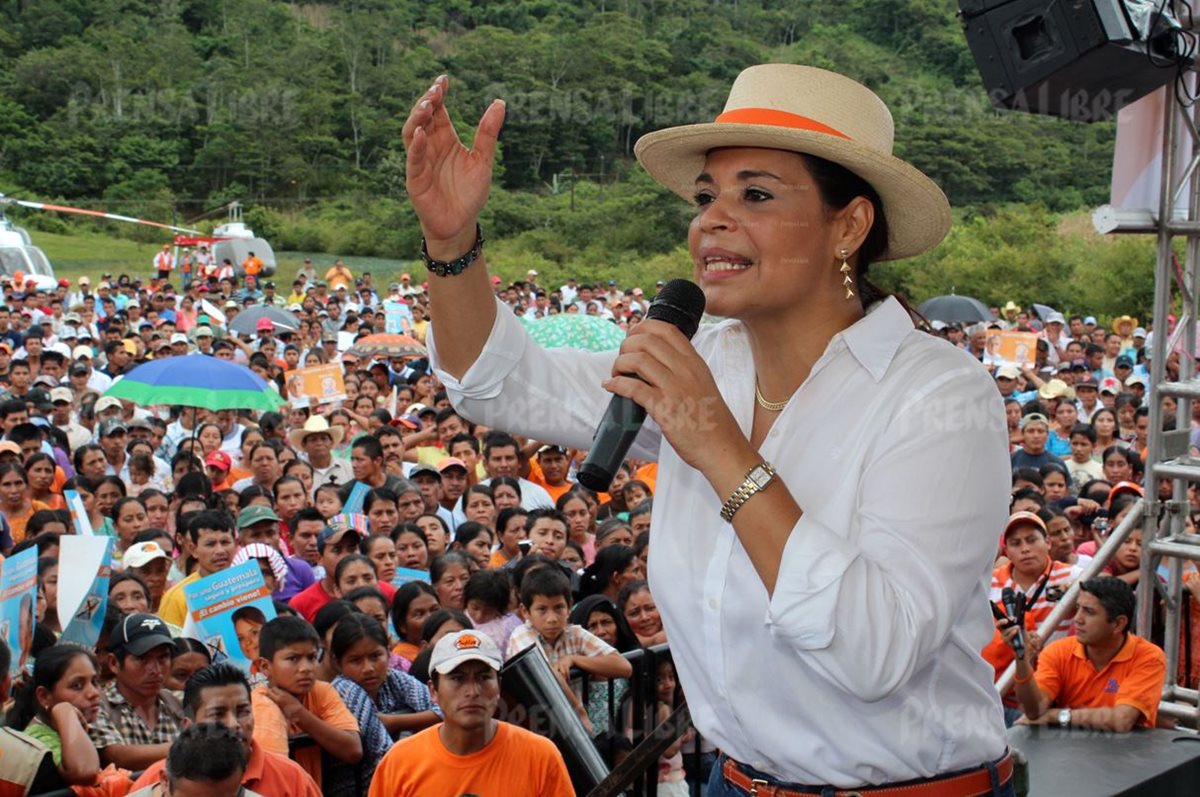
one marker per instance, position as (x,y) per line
(227,610)
(82,603)
(314,385)
(18,602)
(397,318)
(79,515)
(1006,347)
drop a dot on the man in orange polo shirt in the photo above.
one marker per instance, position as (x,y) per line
(1104,677)
(219,694)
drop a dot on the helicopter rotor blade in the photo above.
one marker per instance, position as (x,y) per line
(97,213)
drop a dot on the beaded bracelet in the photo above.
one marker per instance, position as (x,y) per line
(452,268)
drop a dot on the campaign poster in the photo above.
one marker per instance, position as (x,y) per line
(79,515)
(18,604)
(397,318)
(1006,347)
(315,385)
(82,602)
(407,574)
(353,505)
(227,610)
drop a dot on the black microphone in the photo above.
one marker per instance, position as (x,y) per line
(680,303)
(1009,598)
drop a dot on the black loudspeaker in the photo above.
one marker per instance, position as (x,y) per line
(1082,60)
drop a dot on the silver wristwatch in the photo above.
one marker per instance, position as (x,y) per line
(755,482)
(1064,718)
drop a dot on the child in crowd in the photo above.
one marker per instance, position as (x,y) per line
(413,604)
(359,650)
(488,597)
(545,603)
(1082,466)
(326,500)
(672,781)
(293,701)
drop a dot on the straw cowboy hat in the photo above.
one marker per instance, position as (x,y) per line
(816,112)
(1124,321)
(315,425)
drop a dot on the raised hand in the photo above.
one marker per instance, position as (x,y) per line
(447,183)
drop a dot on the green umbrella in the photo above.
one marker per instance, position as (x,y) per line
(576,331)
(196,381)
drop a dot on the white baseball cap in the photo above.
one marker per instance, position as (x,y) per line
(460,647)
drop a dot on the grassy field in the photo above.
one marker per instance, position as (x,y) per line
(89,253)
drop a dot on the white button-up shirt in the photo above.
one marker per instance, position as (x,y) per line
(864,666)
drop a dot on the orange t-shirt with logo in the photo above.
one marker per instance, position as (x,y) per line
(1133,678)
(515,761)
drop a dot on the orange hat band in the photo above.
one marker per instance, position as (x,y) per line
(770,116)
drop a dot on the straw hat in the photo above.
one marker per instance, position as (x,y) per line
(816,112)
(1124,321)
(316,425)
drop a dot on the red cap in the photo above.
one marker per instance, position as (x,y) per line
(219,459)
(264,325)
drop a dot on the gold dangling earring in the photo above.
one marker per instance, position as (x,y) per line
(847,280)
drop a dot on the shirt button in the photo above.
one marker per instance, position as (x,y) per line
(712,603)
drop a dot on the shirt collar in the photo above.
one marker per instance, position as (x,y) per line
(254,764)
(875,338)
(1124,654)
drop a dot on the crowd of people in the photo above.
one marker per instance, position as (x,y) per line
(1078,423)
(470,546)
(474,545)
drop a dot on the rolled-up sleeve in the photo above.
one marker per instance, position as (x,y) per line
(927,515)
(552,395)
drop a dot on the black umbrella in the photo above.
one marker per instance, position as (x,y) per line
(245,322)
(963,309)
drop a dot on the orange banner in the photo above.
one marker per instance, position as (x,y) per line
(316,384)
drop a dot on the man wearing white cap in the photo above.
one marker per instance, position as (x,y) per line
(1053,333)
(77,435)
(179,344)
(470,752)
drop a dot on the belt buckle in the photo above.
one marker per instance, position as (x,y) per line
(755,783)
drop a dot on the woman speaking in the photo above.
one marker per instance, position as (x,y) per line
(831,479)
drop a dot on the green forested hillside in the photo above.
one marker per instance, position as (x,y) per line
(164,107)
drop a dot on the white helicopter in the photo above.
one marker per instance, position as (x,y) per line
(233,240)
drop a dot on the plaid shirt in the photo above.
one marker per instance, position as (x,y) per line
(575,640)
(118,723)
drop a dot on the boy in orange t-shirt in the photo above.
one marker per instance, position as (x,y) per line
(294,701)
(471,752)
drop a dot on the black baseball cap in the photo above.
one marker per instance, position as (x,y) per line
(139,634)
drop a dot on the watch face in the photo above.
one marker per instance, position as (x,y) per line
(760,476)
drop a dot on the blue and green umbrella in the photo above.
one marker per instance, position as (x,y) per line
(196,381)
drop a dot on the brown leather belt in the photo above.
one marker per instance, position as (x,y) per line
(967,784)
